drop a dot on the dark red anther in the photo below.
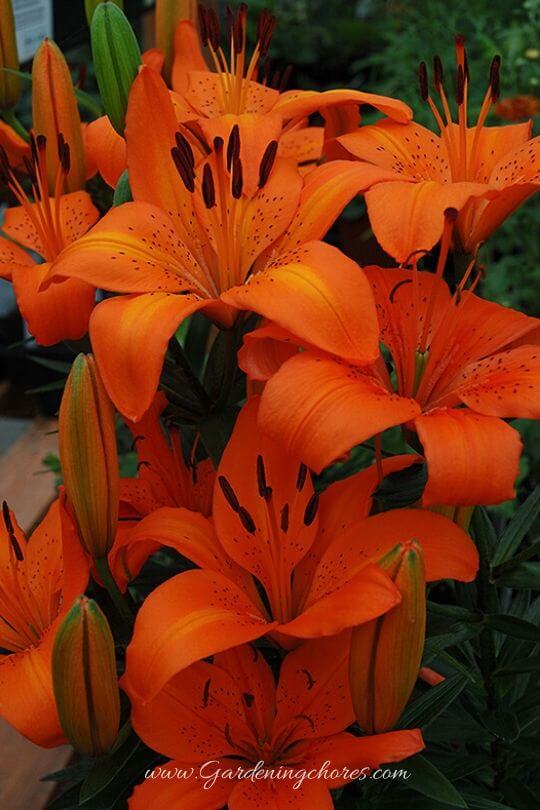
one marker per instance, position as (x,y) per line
(214,32)
(184,147)
(30,170)
(208,187)
(60,143)
(203,24)
(267,162)
(239,28)
(237,181)
(495,79)
(451,214)
(466,66)
(265,30)
(185,171)
(11,532)
(246,520)
(301,478)
(41,143)
(438,73)
(206,692)
(218,144)
(229,493)
(275,80)
(285,518)
(285,78)
(233,146)
(311,509)
(264,490)
(423,81)
(460,86)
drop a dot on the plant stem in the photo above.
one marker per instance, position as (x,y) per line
(105,573)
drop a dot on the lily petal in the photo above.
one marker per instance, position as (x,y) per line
(472,459)
(191,616)
(331,407)
(129,337)
(320,296)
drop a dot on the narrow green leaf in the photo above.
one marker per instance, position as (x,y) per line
(531,664)
(517,528)
(512,626)
(106,769)
(430,705)
(524,575)
(426,779)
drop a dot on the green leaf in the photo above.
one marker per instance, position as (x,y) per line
(512,626)
(424,710)
(122,192)
(402,488)
(480,803)
(454,611)
(531,664)
(519,794)
(503,725)
(106,769)
(463,632)
(524,575)
(517,528)
(426,779)
(216,431)
(54,365)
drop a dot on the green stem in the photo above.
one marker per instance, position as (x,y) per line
(11,119)
(105,573)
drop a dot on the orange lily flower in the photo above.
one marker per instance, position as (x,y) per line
(452,354)
(164,479)
(39,579)
(197,233)
(485,173)
(267,529)
(224,720)
(233,86)
(45,226)
(15,147)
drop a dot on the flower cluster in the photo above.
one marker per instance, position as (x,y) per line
(253,363)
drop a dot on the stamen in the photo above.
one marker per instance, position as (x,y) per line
(460,85)
(265,30)
(310,678)
(267,162)
(438,73)
(11,532)
(494,79)
(423,81)
(264,490)
(285,78)
(311,509)
(213,27)
(396,287)
(229,493)
(185,149)
(301,479)
(237,182)
(185,171)
(208,187)
(206,692)
(246,520)
(285,519)
(203,25)
(233,146)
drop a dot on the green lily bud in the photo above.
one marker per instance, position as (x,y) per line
(117,58)
(85,680)
(89,457)
(10,85)
(90,7)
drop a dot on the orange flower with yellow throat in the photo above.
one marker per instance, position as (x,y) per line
(221,230)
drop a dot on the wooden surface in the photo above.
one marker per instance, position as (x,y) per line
(28,491)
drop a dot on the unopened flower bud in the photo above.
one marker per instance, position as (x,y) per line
(85,680)
(91,5)
(56,114)
(168,15)
(10,85)
(89,457)
(117,58)
(386,653)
